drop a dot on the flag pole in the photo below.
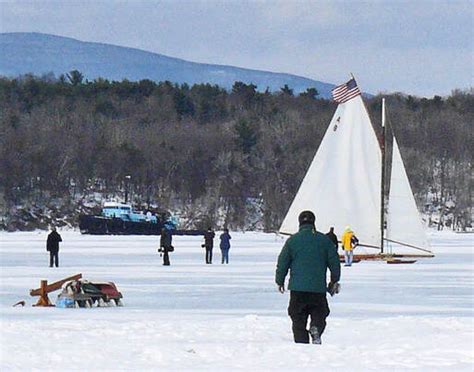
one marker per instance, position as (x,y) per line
(382,183)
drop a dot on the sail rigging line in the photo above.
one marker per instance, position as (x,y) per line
(408,245)
(368,246)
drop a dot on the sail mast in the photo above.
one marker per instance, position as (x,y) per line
(382,183)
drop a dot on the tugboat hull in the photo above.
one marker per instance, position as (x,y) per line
(98,225)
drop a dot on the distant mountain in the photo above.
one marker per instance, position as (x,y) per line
(37,53)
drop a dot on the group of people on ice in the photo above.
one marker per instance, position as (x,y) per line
(166,247)
(306,256)
(348,243)
(209,235)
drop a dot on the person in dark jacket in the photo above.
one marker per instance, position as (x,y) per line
(225,245)
(332,237)
(308,254)
(165,245)
(209,244)
(52,246)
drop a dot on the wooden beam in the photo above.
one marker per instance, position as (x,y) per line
(54,286)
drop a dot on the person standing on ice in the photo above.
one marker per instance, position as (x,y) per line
(165,245)
(307,255)
(348,241)
(209,244)
(332,237)
(225,245)
(52,246)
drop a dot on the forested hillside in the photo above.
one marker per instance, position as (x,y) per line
(215,156)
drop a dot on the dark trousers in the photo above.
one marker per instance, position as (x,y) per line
(304,305)
(208,255)
(225,255)
(166,258)
(53,258)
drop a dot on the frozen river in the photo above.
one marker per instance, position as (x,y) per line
(193,316)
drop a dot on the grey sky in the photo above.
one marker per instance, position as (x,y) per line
(420,47)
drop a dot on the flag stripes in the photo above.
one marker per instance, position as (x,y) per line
(346,91)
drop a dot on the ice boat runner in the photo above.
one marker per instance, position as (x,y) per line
(344,186)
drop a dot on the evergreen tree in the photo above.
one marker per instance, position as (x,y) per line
(75,77)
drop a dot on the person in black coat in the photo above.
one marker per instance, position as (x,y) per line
(332,237)
(209,244)
(52,246)
(165,245)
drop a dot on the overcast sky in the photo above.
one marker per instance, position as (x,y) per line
(422,47)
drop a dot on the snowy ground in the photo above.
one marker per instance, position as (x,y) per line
(193,316)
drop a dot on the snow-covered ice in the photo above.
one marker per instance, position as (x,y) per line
(192,316)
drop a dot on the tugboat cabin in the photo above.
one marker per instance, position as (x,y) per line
(125,213)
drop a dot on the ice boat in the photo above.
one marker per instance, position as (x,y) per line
(346,182)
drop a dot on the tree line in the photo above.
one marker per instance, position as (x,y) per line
(217,156)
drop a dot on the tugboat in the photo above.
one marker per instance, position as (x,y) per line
(121,219)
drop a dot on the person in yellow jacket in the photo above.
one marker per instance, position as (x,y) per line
(348,241)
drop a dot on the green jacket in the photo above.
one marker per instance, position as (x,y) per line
(308,254)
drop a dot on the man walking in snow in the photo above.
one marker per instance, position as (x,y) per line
(209,244)
(52,246)
(349,241)
(308,254)
(225,245)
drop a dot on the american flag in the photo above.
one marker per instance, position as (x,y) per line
(345,92)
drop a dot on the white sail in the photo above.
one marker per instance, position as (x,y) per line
(342,185)
(403,220)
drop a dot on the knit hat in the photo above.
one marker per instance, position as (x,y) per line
(306,218)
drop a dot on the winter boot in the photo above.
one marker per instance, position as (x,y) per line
(315,337)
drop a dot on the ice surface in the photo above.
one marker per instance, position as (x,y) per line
(192,316)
